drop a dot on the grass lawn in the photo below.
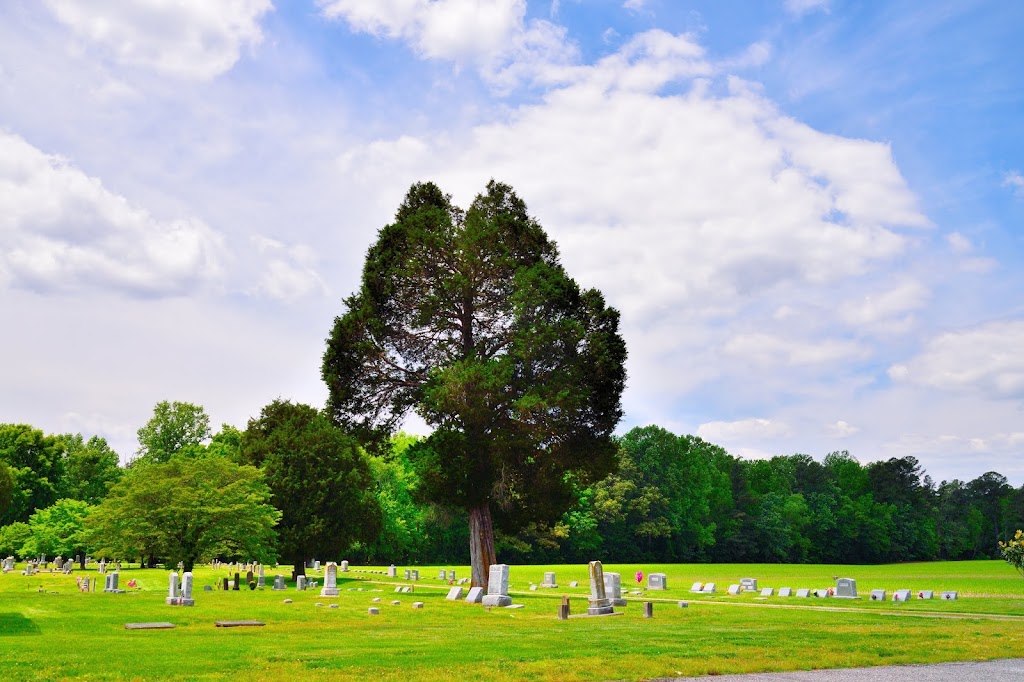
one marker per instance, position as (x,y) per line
(60,633)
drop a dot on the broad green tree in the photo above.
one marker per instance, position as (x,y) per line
(90,467)
(6,487)
(189,510)
(36,467)
(319,478)
(59,530)
(468,319)
(175,428)
(13,538)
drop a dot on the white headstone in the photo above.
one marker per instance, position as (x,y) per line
(877,595)
(708,588)
(734,589)
(901,595)
(767,591)
(186,590)
(657,581)
(925,594)
(454,594)
(476,594)
(613,588)
(300,583)
(344,566)
(697,587)
(330,588)
(451,574)
(392,571)
(950,594)
(785,591)
(549,579)
(803,592)
(442,574)
(172,588)
(415,574)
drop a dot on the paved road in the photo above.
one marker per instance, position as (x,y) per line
(1006,670)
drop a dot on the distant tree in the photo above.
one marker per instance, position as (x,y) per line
(469,319)
(6,488)
(226,443)
(319,478)
(189,510)
(90,467)
(59,530)
(13,538)
(36,467)
(175,428)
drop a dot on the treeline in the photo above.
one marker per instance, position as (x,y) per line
(292,486)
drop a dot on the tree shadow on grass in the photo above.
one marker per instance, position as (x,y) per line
(17,624)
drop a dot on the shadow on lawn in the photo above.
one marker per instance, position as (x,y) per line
(17,624)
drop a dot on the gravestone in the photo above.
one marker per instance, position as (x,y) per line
(877,595)
(392,571)
(767,591)
(261,580)
(103,565)
(846,588)
(613,588)
(316,564)
(599,603)
(58,562)
(226,584)
(279,583)
(734,589)
(454,594)
(408,574)
(442,574)
(748,584)
(417,605)
(549,579)
(415,574)
(950,594)
(476,594)
(785,591)
(803,592)
(186,590)
(236,586)
(574,584)
(497,586)
(172,589)
(373,611)
(709,588)
(112,580)
(822,594)
(901,595)
(300,583)
(657,581)
(697,587)
(330,588)
(344,566)
(925,594)
(248,577)
(451,574)
(648,609)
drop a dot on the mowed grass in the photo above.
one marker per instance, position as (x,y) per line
(60,633)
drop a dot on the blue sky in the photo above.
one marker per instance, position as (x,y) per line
(809,212)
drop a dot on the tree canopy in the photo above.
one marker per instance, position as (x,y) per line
(188,510)
(36,467)
(319,478)
(468,318)
(174,428)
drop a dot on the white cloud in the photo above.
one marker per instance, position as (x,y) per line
(743,430)
(841,429)
(61,230)
(885,306)
(799,8)
(289,272)
(959,243)
(986,359)
(1015,181)
(197,39)
(766,351)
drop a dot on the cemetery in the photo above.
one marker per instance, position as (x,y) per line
(666,624)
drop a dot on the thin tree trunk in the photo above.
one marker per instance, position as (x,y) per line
(298,567)
(481,544)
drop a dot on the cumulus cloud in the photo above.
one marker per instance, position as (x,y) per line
(492,36)
(841,429)
(289,272)
(885,307)
(985,359)
(745,429)
(1015,181)
(799,8)
(62,230)
(195,39)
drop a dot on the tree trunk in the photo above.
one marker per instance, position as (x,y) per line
(298,567)
(481,544)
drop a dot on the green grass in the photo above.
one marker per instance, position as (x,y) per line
(60,633)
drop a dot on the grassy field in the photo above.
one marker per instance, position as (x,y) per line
(49,630)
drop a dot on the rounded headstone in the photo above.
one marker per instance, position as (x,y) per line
(417,605)
(373,611)
(287,601)
(396,603)
(334,606)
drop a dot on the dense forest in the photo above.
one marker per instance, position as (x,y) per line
(671,499)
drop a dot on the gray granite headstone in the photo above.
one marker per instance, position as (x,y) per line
(497,586)
(260,578)
(951,594)
(613,588)
(785,591)
(709,588)
(657,581)
(925,594)
(408,574)
(901,595)
(599,602)
(748,584)
(442,574)
(186,590)
(300,583)
(767,591)
(279,582)
(803,592)
(454,594)
(415,574)
(451,574)
(392,571)
(697,587)
(877,595)
(734,589)
(846,588)
(476,594)
(549,579)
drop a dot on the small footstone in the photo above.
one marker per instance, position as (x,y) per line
(318,604)
(238,623)
(334,606)
(148,626)
(683,604)
(515,606)
(373,611)
(396,603)
(287,601)
(375,600)
(417,605)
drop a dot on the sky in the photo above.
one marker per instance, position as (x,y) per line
(810,213)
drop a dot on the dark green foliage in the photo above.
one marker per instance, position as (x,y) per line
(36,466)
(90,467)
(319,477)
(469,319)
